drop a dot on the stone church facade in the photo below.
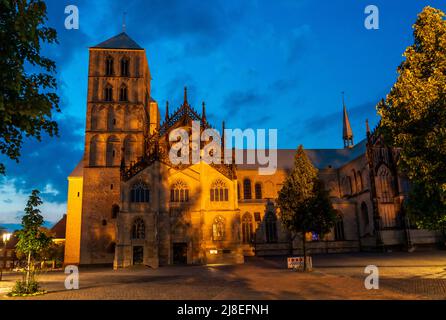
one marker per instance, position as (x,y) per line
(129,204)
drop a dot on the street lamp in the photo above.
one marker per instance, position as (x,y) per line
(6,238)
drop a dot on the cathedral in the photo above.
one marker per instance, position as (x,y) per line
(128,204)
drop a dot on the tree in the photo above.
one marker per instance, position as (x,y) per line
(32,239)
(27,84)
(414,119)
(304,204)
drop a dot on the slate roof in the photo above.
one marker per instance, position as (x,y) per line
(59,228)
(120,41)
(78,171)
(321,158)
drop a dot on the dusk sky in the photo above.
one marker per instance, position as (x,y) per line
(256,64)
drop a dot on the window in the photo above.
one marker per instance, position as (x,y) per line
(365,213)
(219,191)
(218,229)
(115,211)
(139,229)
(109,66)
(247,189)
(108,94)
(125,67)
(139,193)
(113,151)
(123,93)
(247,234)
(179,192)
(339,229)
(385,184)
(271,227)
(258,190)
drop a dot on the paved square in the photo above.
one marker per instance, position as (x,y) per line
(419,275)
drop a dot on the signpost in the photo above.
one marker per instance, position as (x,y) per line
(297,263)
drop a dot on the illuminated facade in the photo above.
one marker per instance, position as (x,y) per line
(128,204)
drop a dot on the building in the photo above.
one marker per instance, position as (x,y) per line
(129,204)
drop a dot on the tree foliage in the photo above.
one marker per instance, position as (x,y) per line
(27,84)
(32,237)
(304,204)
(414,118)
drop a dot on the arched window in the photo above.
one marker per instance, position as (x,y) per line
(247,234)
(108,93)
(97,151)
(219,191)
(365,214)
(130,145)
(123,93)
(138,229)
(109,66)
(125,67)
(258,190)
(179,192)
(115,211)
(385,184)
(271,227)
(218,229)
(113,151)
(139,193)
(247,194)
(339,229)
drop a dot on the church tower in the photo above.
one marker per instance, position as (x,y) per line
(347,132)
(120,115)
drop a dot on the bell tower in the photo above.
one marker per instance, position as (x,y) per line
(120,114)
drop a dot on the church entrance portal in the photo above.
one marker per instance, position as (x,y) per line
(138,254)
(180,253)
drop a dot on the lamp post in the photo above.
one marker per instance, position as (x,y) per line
(6,238)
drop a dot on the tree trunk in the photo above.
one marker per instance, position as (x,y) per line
(28,269)
(304,250)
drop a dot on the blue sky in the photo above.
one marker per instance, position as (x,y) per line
(256,63)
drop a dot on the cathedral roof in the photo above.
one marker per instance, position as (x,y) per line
(78,171)
(321,158)
(121,41)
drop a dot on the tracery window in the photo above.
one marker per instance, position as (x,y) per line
(247,194)
(179,192)
(218,229)
(247,234)
(138,229)
(385,184)
(108,93)
(219,191)
(139,193)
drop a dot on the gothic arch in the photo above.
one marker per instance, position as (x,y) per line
(113,157)
(385,184)
(130,149)
(97,150)
(98,118)
(247,228)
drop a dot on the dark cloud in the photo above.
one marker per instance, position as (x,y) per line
(320,123)
(48,163)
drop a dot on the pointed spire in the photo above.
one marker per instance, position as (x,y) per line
(167,110)
(123,22)
(347,132)
(203,112)
(185,96)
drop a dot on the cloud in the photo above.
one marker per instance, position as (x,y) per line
(15,201)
